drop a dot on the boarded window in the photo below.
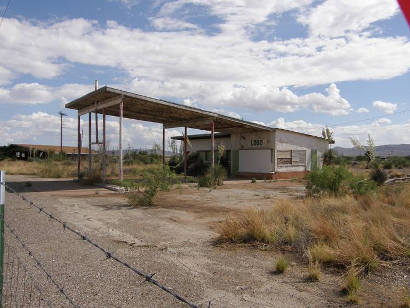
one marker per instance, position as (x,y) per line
(284,158)
(292,158)
(298,157)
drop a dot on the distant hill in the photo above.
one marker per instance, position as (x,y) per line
(381,150)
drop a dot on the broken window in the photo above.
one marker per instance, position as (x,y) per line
(292,158)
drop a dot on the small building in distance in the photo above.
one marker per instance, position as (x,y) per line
(26,151)
(277,153)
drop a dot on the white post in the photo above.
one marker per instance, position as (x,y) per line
(3,186)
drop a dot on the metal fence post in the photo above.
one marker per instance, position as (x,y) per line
(2,202)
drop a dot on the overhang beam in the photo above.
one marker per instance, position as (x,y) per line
(190,123)
(101,105)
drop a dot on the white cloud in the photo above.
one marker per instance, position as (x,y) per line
(362,110)
(263,98)
(191,64)
(340,17)
(389,108)
(35,93)
(166,23)
(382,121)
(128,3)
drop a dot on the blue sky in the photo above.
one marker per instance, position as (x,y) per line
(299,64)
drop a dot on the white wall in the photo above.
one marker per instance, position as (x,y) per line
(257,161)
(285,140)
(205,144)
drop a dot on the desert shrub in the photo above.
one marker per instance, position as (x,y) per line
(361,186)
(213,177)
(337,181)
(378,175)
(281,265)
(387,164)
(93,177)
(153,179)
(253,180)
(328,157)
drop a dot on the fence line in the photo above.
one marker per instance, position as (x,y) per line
(27,294)
(39,265)
(108,254)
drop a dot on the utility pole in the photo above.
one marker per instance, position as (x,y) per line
(62,114)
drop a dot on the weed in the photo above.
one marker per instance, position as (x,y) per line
(321,253)
(351,286)
(313,271)
(213,177)
(253,180)
(154,179)
(281,265)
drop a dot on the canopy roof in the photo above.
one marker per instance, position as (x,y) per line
(150,109)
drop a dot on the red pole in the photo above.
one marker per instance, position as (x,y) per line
(213,143)
(104,150)
(78,146)
(89,144)
(185,152)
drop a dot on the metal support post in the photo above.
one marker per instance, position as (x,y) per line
(120,139)
(78,146)
(185,151)
(104,151)
(213,143)
(163,145)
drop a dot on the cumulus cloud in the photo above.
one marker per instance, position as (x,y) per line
(284,100)
(191,63)
(362,110)
(166,23)
(340,17)
(35,93)
(389,108)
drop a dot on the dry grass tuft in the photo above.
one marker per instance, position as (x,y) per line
(281,265)
(335,231)
(313,271)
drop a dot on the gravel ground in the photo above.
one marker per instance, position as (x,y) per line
(173,241)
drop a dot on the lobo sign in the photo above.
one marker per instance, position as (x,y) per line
(256,142)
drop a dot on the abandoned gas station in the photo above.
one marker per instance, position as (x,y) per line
(251,150)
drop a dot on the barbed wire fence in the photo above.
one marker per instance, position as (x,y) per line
(20,288)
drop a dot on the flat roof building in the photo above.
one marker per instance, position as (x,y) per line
(250,149)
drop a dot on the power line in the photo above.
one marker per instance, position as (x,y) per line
(4,13)
(400,112)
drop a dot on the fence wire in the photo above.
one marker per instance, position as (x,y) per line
(20,288)
(109,255)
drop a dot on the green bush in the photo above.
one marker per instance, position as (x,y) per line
(253,180)
(154,179)
(336,181)
(378,175)
(213,177)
